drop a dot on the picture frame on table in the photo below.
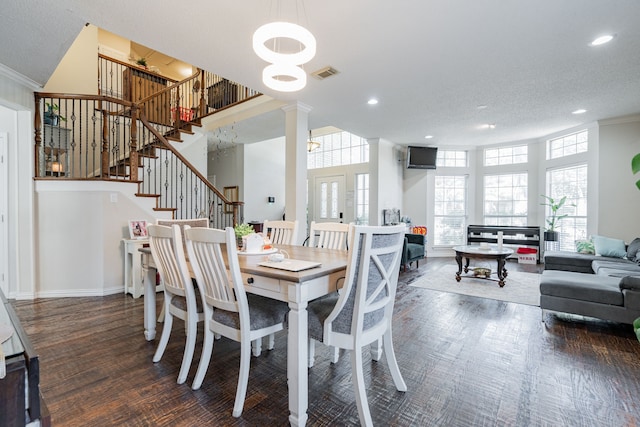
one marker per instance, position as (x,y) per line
(138,229)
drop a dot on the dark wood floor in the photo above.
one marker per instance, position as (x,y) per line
(466,361)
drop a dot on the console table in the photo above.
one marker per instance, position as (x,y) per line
(511,235)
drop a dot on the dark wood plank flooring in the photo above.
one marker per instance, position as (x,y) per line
(466,361)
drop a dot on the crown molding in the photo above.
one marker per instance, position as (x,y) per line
(619,120)
(19,78)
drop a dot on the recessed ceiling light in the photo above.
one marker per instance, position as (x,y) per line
(372,101)
(481,107)
(488,126)
(428,137)
(602,40)
(580,111)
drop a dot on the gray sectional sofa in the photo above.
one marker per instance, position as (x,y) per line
(591,285)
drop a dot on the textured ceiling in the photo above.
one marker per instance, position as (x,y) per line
(430,63)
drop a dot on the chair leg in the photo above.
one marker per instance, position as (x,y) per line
(205,358)
(357,375)
(392,362)
(256,345)
(164,339)
(376,350)
(243,378)
(272,341)
(311,352)
(336,355)
(190,345)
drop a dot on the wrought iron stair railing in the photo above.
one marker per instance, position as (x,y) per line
(97,137)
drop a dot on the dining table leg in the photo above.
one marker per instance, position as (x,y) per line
(297,371)
(149,302)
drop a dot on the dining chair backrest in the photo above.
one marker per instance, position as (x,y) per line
(218,288)
(330,235)
(169,258)
(365,306)
(282,232)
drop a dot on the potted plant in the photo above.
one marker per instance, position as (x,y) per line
(550,233)
(142,62)
(242,230)
(52,115)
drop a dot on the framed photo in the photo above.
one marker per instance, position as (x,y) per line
(231,194)
(138,229)
(391,216)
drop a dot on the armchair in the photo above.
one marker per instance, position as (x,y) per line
(413,249)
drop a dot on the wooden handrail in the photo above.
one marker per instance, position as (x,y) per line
(135,67)
(195,171)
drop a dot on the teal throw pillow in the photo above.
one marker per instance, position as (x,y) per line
(607,246)
(585,247)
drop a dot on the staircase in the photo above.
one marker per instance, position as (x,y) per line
(102,137)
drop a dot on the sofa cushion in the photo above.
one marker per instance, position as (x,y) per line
(581,286)
(569,261)
(607,246)
(621,265)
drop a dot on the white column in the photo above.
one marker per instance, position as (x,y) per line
(296,131)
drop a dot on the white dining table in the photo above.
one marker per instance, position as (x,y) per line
(295,288)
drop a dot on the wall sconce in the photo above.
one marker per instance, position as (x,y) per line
(271,200)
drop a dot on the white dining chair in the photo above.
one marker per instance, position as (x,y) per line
(229,310)
(282,232)
(362,312)
(330,235)
(179,294)
(194,222)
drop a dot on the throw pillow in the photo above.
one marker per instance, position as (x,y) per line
(585,247)
(607,246)
(633,248)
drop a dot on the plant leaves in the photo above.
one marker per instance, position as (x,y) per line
(635,164)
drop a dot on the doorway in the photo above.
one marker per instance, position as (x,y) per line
(329,199)
(4,229)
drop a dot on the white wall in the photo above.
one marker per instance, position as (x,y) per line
(385,179)
(80,226)
(264,176)
(619,201)
(78,70)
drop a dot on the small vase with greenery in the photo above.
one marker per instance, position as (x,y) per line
(242,230)
(550,233)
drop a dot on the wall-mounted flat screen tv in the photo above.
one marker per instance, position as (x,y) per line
(421,157)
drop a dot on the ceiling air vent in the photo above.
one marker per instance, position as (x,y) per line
(325,72)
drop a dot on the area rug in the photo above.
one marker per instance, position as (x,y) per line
(520,287)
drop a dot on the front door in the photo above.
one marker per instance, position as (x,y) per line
(329,199)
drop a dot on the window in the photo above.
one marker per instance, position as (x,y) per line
(506,155)
(570,182)
(451,158)
(450,210)
(568,145)
(337,149)
(362,199)
(505,199)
